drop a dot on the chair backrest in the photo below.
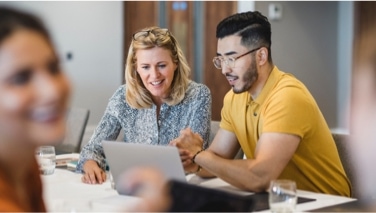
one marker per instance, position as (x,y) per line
(341,141)
(214,127)
(76,124)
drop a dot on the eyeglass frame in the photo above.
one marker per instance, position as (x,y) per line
(232,59)
(150,31)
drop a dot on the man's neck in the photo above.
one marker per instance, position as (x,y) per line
(264,72)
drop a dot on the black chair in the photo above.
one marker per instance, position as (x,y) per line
(214,127)
(341,141)
(76,125)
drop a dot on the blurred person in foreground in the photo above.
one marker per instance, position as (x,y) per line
(362,141)
(34,95)
(157,101)
(159,194)
(268,113)
(150,185)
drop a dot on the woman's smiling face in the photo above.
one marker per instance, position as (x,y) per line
(34,92)
(156,70)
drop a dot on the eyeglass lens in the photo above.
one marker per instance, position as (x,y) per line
(230,61)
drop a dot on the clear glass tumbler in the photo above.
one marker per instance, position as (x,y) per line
(282,196)
(46,158)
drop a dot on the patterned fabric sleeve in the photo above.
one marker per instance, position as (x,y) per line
(107,129)
(201,112)
(140,126)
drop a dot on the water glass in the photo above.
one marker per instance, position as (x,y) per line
(111,179)
(282,196)
(46,158)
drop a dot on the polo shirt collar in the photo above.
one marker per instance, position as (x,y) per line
(273,78)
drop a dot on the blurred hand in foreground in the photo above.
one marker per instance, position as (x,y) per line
(147,183)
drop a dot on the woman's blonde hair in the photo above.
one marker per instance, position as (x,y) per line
(137,96)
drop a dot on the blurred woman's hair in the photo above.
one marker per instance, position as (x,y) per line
(137,96)
(13,20)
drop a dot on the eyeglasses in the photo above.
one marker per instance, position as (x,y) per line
(229,61)
(143,34)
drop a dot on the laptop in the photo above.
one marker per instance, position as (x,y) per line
(121,156)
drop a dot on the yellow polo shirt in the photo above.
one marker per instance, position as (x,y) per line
(286,106)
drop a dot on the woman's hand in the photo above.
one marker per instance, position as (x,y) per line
(189,144)
(93,174)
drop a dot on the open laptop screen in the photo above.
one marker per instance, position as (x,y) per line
(121,156)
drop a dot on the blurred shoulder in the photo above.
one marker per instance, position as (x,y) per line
(119,93)
(195,88)
(117,101)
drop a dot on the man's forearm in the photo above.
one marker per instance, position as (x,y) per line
(236,172)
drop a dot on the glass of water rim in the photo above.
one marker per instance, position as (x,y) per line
(46,158)
(282,196)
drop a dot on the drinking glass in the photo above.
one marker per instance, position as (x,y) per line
(111,179)
(282,196)
(46,158)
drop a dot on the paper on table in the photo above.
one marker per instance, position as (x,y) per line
(115,203)
(64,159)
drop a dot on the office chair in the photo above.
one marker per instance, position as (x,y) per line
(214,127)
(76,124)
(341,141)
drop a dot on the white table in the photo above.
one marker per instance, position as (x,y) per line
(64,191)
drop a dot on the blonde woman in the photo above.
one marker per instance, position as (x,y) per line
(156,103)
(34,95)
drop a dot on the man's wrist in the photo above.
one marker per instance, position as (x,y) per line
(195,155)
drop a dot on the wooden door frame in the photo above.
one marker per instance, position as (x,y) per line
(137,15)
(214,12)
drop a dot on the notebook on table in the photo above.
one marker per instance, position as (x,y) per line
(122,156)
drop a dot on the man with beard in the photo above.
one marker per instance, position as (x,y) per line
(268,113)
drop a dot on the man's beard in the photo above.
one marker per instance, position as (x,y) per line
(250,76)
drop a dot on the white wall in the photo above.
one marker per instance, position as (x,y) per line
(313,41)
(93,33)
(246,5)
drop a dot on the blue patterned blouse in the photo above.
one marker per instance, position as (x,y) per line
(141,125)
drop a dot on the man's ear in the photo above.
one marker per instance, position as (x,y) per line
(263,56)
